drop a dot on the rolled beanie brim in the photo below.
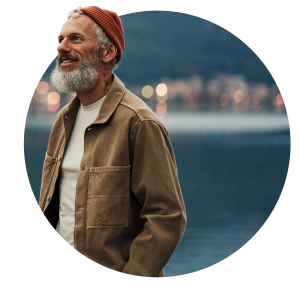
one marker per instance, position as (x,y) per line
(111,24)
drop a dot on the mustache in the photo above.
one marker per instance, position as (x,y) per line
(67,56)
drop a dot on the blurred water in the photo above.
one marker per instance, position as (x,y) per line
(231,168)
(205,246)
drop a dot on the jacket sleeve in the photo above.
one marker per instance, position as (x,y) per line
(154,182)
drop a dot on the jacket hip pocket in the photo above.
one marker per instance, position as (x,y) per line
(108,197)
(48,171)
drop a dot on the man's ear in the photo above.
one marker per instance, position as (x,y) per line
(109,53)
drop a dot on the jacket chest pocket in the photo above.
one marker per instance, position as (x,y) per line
(108,197)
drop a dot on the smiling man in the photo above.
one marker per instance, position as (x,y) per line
(109,185)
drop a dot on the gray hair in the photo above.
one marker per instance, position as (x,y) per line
(102,39)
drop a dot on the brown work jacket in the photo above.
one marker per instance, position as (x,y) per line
(129,210)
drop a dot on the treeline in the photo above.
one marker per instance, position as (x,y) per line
(162,44)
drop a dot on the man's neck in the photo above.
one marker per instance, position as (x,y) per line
(100,90)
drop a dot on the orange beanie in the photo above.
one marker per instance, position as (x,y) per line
(111,24)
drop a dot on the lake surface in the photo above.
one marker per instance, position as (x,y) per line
(232,168)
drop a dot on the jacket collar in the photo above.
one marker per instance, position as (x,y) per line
(109,105)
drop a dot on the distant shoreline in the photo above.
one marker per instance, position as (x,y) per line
(200,122)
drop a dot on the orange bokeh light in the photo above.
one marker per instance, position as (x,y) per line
(238,96)
(162,98)
(52,107)
(161,109)
(224,100)
(279,99)
(53,98)
(161,89)
(42,87)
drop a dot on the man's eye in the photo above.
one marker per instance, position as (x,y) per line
(76,38)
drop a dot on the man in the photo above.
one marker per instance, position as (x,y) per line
(109,184)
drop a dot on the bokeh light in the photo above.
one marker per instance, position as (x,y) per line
(53,98)
(147,91)
(238,96)
(42,87)
(52,107)
(262,89)
(162,98)
(161,109)
(224,100)
(161,89)
(279,99)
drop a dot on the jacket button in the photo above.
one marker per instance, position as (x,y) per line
(89,128)
(48,198)
(59,158)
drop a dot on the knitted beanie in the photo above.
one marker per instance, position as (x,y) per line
(111,24)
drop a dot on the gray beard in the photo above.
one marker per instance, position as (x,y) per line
(81,79)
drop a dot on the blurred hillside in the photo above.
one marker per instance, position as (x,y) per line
(176,45)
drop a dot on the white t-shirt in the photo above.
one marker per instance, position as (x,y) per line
(70,168)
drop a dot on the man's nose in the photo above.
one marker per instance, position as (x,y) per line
(64,46)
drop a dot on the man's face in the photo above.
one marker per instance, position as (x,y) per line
(78,62)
